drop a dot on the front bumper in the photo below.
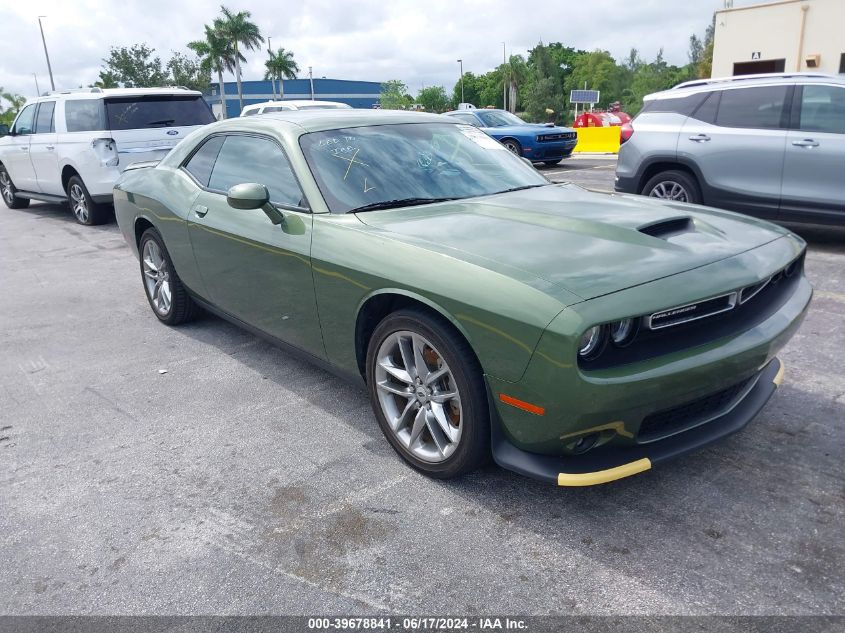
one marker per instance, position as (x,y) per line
(549,151)
(615,462)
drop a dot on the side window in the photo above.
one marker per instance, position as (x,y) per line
(469,119)
(707,111)
(25,120)
(202,162)
(84,115)
(760,107)
(44,119)
(252,159)
(677,105)
(823,109)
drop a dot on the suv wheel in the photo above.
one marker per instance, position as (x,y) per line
(8,190)
(674,185)
(85,210)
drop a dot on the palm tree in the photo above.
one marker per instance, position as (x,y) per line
(281,66)
(216,55)
(238,31)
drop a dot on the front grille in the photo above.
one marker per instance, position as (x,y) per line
(663,423)
(562,136)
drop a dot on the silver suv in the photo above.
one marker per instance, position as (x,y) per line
(768,145)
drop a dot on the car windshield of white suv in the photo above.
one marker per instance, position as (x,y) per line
(387,166)
(499,119)
(133,113)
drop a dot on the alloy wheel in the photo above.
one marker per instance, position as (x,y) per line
(6,188)
(669,190)
(418,396)
(157,278)
(78,203)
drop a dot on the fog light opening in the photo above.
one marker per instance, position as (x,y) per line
(585,443)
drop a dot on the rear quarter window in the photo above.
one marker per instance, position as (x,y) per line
(684,106)
(84,115)
(134,113)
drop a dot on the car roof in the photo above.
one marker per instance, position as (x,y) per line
(296,103)
(742,81)
(318,120)
(100,93)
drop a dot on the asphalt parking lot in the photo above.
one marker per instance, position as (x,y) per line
(145,469)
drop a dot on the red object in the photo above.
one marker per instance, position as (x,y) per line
(599,118)
(626,132)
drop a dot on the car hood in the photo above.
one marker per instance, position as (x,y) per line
(528,128)
(589,244)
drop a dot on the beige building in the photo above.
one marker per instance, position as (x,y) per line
(782,36)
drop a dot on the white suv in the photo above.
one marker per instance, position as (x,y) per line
(73,145)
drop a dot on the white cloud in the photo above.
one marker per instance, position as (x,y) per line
(417,42)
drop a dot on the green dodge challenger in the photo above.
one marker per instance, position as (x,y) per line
(576,337)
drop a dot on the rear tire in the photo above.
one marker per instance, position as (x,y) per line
(551,163)
(673,185)
(8,191)
(84,209)
(168,298)
(423,375)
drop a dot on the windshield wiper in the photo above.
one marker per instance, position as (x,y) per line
(544,184)
(164,122)
(401,202)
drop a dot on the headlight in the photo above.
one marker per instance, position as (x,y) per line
(592,342)
(622,332)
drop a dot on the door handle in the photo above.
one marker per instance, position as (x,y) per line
(699,138)
(200,210)
(50,148)
(807,142)
(24,149)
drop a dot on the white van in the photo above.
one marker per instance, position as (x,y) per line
(292,104)
(73,145)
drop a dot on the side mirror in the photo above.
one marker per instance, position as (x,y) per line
(251,195)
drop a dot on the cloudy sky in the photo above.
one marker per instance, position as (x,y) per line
(417,41)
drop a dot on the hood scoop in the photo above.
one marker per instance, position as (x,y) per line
(669,227)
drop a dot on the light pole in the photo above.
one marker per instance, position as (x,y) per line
(46,54)
(311,79)
(272,80)
(461,62)
(504,79)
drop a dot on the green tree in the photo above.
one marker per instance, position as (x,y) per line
(188,72)
(472,90)
(241,32)
(704,68)
(217,55)
(134,66)
(8,113)
(515,77)
(433,99)
(394,95)
(545,89)
(280,66)
(598,70)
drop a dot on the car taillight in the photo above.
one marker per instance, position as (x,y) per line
(106,150)
(626,132)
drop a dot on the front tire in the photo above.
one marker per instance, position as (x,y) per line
(513,146)
(8,191)
(674,185)
(168,298)
(428,395)
(85,210)
(551,163)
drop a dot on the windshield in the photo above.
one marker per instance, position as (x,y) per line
(133,113)
(494,118)
(414,162)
